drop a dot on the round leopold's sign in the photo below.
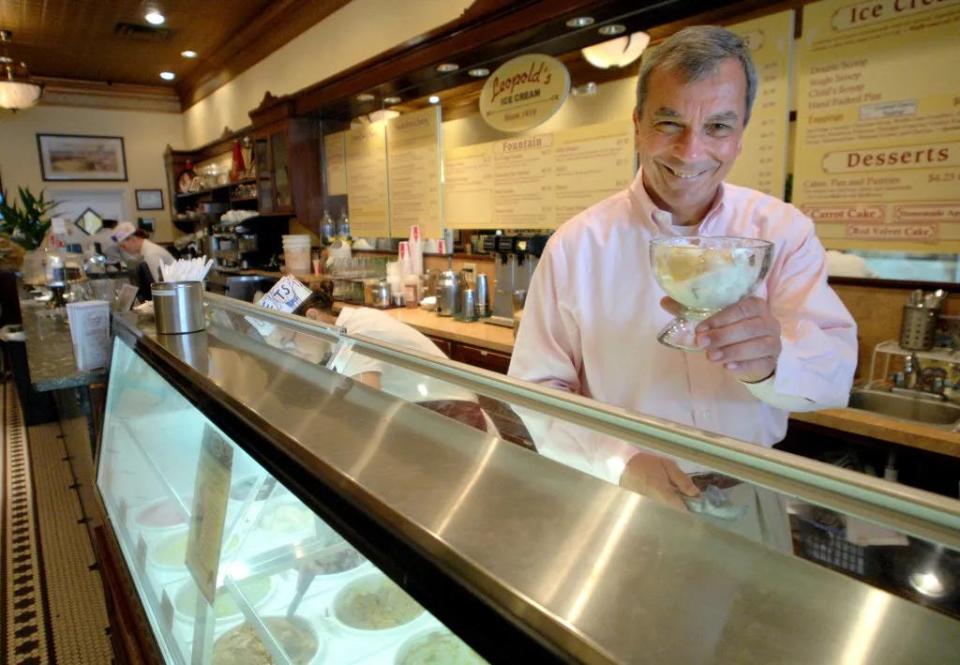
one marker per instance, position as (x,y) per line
(524,92)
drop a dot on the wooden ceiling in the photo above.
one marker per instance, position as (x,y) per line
(110,41)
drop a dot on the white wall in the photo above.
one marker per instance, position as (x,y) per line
(145,135)
(356,32)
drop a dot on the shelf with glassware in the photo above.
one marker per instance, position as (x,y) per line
(288,589)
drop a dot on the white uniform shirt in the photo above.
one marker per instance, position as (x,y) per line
(153,254)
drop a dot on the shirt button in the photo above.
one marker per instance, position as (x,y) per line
(705,413)
(661,217)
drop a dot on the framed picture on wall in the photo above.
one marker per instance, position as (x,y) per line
(75,157)
(149,199)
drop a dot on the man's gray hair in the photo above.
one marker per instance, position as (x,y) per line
(695,53)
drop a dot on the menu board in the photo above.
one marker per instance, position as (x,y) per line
(413,150)
(762,164)
(590,164)
(878,124)
(334,151)
(468,187)
(536,182)
(367,181)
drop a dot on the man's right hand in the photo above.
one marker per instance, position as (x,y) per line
(659,478)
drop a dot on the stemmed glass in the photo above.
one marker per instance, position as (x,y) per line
(705,275)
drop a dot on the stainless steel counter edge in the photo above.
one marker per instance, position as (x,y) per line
(601,572)
(912,511)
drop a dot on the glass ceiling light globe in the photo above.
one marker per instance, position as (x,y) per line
(618,52)
(17,90)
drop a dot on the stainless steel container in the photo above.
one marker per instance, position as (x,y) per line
(483,296)
(519,300)
(448,293)
(178,307)
(918,327)
(468,310)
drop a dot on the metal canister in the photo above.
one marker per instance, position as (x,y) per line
(448,294)
(483,296)
(468,310)
(178,307)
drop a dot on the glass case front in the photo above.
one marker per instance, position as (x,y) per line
(197,519)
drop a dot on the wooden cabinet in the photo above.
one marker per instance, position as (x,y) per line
(479,357)
(286,151)
(444,345)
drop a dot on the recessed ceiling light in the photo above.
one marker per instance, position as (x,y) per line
(188,54)
(365,97)
(167,76)
(433,99)
(447,67)
(479,72)
(580,22)
(612,29)
(155,18)
(392,100)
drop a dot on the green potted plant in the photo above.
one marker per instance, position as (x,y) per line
(26,225)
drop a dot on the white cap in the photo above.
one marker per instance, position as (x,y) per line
(123,231)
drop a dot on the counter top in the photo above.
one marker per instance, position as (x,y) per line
(884,428)
(50,351)
(478,333)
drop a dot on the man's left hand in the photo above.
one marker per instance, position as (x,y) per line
(744,337)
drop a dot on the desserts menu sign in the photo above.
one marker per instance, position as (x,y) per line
(536,181)
(763,160)
(413,155)
(878,123)
(367,180)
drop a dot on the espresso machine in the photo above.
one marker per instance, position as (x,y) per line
(515,259)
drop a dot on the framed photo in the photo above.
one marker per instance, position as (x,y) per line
(149,199)
(76,157)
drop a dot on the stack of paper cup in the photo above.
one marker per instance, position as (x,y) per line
(296,253)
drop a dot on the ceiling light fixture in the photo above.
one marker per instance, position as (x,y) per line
(447,67)
(391,100)
(154,17)
(618,52)
(580,22)
(383,114)
(17,89)
(365,97)
(188,54)
(612,29)
(479,72)
(167,76)
(433,99)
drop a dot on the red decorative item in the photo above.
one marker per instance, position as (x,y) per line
(239,168)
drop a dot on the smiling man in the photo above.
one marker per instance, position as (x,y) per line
(594,308)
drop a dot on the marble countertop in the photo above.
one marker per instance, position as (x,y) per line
(50,351)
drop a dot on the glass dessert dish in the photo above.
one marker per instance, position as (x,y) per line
(705,275)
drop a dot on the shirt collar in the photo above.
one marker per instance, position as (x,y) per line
(662,220)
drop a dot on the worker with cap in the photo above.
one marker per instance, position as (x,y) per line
(134,243)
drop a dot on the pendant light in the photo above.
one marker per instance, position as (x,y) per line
(17,89)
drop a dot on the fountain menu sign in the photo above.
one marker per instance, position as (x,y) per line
(877,164)
(763,161)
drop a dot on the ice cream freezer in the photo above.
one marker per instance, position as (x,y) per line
(265,508)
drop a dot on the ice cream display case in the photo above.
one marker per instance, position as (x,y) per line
(268,509)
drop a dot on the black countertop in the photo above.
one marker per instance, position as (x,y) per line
(50,350)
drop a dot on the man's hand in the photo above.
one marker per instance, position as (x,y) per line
(659,478)
(745,337)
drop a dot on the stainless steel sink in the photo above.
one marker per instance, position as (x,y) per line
(918,408)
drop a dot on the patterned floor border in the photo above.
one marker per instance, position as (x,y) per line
(24,612)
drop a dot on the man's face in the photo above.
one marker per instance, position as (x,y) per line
(130,245)
(689,136)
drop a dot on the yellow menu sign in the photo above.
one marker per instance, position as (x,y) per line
(877,164)
(367,181)
(763,161)
(536,182)
(336,163)
(413,155)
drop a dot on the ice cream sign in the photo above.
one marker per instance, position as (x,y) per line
(524,92)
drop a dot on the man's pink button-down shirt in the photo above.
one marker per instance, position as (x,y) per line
(592,315)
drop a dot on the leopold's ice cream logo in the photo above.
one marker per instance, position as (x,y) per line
(526,84)
(524,92)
